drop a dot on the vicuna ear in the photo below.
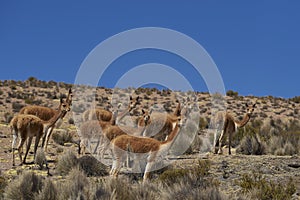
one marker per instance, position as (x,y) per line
(254,105)
(143,111)
(130,98)
(61,100)
(247,105)
(151,111)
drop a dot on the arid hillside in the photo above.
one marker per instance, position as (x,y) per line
(266,152)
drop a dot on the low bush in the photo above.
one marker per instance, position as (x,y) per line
(48,192)
(62,137)
(251,145)
(260,188)
(66,162)
(40,158)
(26,186)
(92,167)
(3,184)
(74,186)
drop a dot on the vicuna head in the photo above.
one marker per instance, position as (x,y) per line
(133,103)
(250,109)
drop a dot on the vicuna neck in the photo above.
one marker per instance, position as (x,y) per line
(54,119)
(177,111)
(244,121)
(123,114)
(114,118)
(173,135)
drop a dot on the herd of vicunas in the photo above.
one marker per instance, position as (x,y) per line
(39,122)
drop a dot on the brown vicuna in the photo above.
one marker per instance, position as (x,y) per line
(105,115)
(226,126)
(149,147)
(113,132)
(93,129)
(161,124)
(29,126)
(46,114)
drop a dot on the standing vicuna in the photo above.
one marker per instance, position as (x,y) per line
(150,147)
(113,132)
(29,126)
(46,114)
(161,124)
(226,125)
(93,129)
(105,115)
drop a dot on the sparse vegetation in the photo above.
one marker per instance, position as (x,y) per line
(260,188)
(62,137)
(66,162)
(40,158)
(251,145)
(3,184)
(25,186)
(232,93)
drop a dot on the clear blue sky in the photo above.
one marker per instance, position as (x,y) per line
(255,44)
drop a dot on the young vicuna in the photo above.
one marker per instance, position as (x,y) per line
(29,126)
(161,124)
(105,115)
(150,147)
(226,125)
(46,114)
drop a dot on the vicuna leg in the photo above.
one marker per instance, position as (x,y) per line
(216,140)
(220,151)
(37,139)
(117,163)
(46,138)
(15,136)
(27,149)
(21,143)
(229,143)
(150,163)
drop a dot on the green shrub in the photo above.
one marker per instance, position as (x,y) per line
(71,121)
(200,170)
(40,158)
(171,176)
(118,188)
(260,188)
(66,162)
(284,144)
(17,106)
(29,100)
(231,93)
(62,137)
(48,192)
(3,184)
(26,186)
(74,186)
(251,145)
